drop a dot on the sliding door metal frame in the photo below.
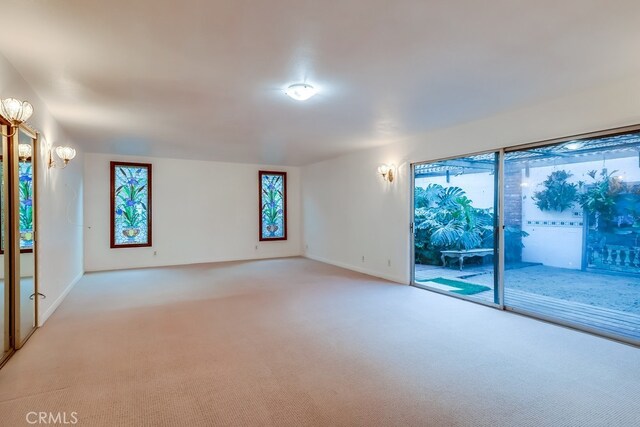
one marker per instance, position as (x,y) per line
(19,341)
(499,274)
(500,250)
(7,342)
(12,334)
(412,222)
(14,237)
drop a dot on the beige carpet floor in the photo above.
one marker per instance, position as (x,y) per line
(295,342)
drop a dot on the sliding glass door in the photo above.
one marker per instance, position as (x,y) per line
(5,288)
(24,205)
(18,202)
(455,206)
(570,231)
(574,255)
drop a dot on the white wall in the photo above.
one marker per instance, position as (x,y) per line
(202,212)
(554,246)
(349,212)
(59,204)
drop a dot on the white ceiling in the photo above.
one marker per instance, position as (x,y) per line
(203,79)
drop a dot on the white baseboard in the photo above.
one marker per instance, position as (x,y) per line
(42,318)
(196,262)
(358,269)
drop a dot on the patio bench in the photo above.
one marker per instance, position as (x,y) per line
(462,254)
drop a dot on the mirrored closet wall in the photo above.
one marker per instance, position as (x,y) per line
(18,201)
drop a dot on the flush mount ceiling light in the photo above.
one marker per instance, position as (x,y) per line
(300,91)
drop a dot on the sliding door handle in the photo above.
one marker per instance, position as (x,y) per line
(43,296)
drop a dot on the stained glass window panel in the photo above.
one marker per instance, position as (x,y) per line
(25,210)
(130,204)
(273,205)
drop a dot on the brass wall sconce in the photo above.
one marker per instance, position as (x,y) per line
(386,171)
(16,112)
(65,153)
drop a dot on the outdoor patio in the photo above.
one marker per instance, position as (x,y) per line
(597,300)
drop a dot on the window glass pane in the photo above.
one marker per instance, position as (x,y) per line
(131,204)
(454,222)
(273,206)
(572,217)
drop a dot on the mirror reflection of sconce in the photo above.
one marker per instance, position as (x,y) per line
(16,112)
(65,153)
(24,152)
(386,171)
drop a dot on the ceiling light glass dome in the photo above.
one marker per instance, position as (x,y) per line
(301,91)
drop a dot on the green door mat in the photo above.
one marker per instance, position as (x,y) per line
(457,287)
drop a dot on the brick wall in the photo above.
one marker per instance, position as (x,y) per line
(513,210)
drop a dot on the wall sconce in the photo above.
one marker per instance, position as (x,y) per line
(65,153)
(386,171)
(16,112)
